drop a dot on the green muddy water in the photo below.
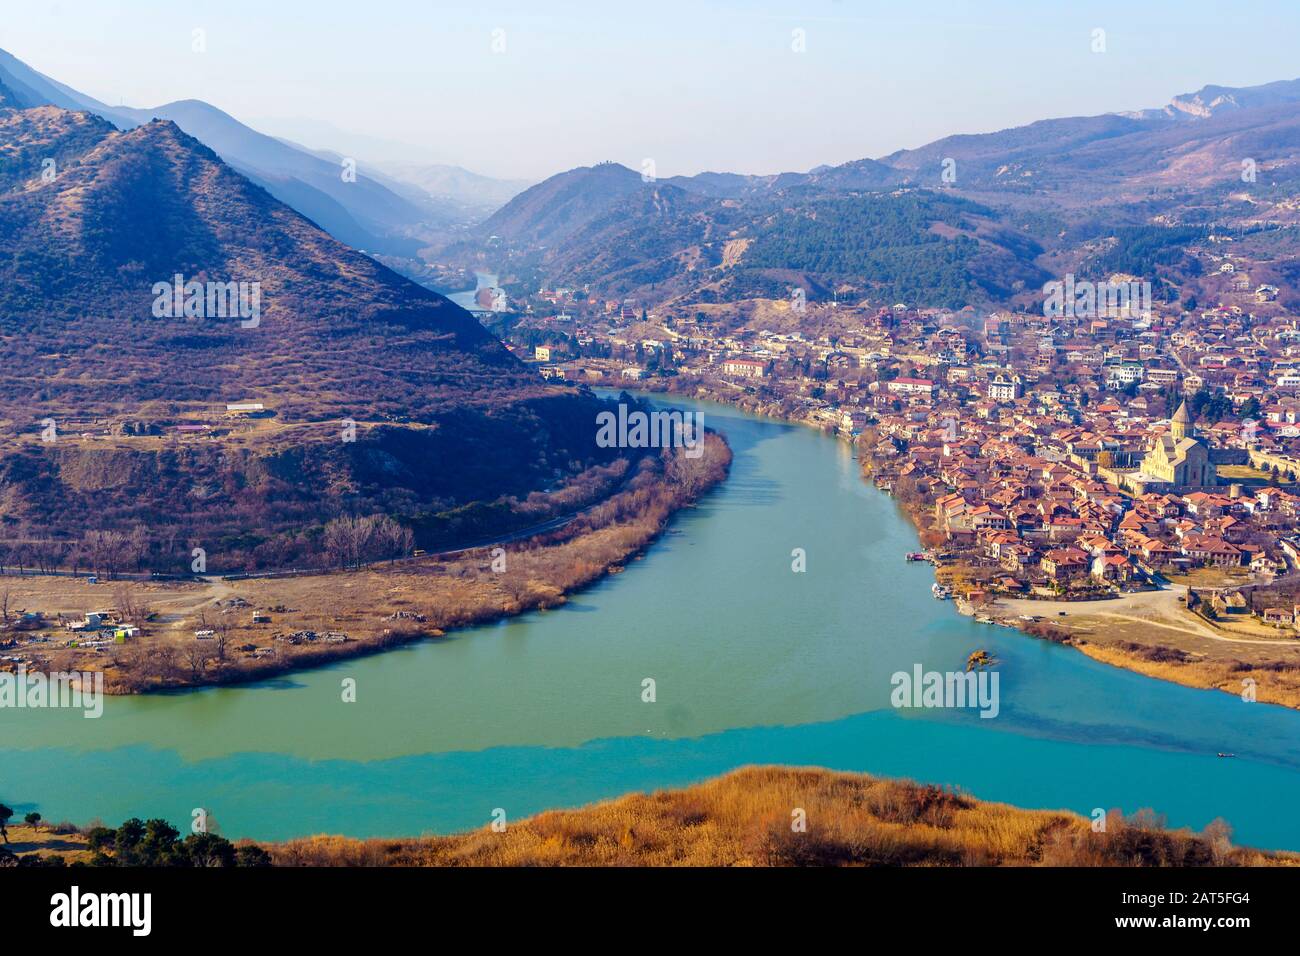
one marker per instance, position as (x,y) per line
(752,663)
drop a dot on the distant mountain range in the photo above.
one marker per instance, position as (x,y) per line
(389,214)
(456,184)
(1211,101)
(1043,194)
(1054,194)
(404,168)
(1199,140)
(95,224)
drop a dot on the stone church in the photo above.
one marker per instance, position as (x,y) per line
(1177,458)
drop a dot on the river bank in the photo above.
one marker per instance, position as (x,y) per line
(260,628)
(1168,644)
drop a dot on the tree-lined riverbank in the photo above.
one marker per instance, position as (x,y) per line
(310,620)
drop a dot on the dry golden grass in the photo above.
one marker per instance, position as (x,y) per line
(1272,685)
(746,819)
(1212,577)
(47,841)
(1250,474)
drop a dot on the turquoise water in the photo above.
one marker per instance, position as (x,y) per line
(752,663)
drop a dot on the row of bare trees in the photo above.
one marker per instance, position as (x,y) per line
(104,552)
(349,542)
(354,542)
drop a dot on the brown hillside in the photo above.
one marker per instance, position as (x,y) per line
(444,415)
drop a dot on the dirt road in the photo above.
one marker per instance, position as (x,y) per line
(1161,609)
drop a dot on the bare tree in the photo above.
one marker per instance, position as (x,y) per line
(124,601)
(222,639)
(108,551)
(138,542)
(690,474)
(344,539)
(50,554)
(355,541)
(116,548)
(162,661)
(398,539)
(197,657)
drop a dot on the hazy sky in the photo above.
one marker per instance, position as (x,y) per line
(693,85)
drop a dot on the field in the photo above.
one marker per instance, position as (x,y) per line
(1209,577)
(62,842)
(1249,475)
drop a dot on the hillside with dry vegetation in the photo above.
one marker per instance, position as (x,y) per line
(746,819)
(362,392)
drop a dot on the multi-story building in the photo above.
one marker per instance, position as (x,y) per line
(744,368)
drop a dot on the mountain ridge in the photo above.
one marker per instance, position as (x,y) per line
(707,238)
(364,214)
(335,337)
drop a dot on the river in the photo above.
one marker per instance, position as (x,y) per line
(752,663)
(482,280)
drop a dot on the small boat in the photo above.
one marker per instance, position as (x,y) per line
(1227,755)
(941,591)
(915,556)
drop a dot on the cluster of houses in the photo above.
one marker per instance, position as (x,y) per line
(1032,495)
(1234,604)
(1027,494)
(1061,450)
(99,629)
(30,630)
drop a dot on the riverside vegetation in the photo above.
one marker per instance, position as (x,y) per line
(748,818)
(375,607)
